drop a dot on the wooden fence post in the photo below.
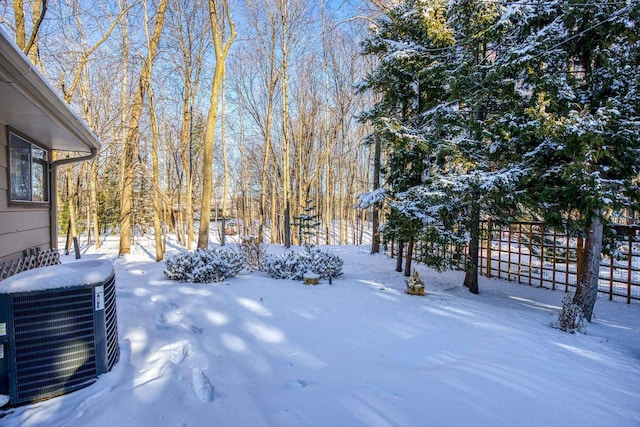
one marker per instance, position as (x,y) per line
(630,265)
(489,237)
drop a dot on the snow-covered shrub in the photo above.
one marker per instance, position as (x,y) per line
(284,266)
(571,318)
(326,264)
(204,265)
(293,265)
(253,250)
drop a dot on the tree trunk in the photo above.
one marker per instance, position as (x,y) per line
(133,135)
(72,200)
(18,16)
(225,164)
(185,144)
(31,48)
(247,229)
(375,215)
(587,285)
(219,17)
(400,253)
(157,206)
(286,184)
(287,224)
(93,197)
(471,267)
(407,265)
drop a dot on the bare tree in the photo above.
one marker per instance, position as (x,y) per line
(220,19)
(188,38)
(133,133)
(30,46)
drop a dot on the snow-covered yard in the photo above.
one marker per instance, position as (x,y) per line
(254,351)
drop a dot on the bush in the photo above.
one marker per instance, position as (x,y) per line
(253,250)
(204,265)
(571,318)
(293,265)
(326,264)
(284,266)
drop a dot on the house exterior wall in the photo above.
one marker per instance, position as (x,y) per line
(21,227)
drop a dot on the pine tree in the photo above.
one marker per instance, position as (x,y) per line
(402,41)
(576,122)
(444,53)
(505,106)
(307,224)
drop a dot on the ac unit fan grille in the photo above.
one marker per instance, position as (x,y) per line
(61,360)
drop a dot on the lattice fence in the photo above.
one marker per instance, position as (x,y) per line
(35,260)
(537,255)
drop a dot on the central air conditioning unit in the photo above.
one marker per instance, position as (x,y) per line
(58,330)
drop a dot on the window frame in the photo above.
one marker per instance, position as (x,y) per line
(11,132)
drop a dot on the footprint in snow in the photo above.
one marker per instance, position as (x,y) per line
(179,352)
(201,385)
(193,329)
(161,321)
(299,384)
(171,306)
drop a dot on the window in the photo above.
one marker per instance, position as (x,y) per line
(28,171)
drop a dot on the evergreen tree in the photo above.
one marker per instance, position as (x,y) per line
(402,41)
(443,54)
(576,123)
(307,224)
(488,107)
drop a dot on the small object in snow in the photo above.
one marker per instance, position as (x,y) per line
(415,285)
(311,278)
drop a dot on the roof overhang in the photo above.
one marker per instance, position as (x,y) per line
(30,105)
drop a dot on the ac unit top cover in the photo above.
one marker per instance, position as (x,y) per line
(58,277)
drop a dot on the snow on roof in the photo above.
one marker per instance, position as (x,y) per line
(58,276)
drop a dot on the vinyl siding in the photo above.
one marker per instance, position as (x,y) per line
(21,227)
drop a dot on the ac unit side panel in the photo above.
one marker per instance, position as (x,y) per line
(111,321)
(54,341)
(6,346)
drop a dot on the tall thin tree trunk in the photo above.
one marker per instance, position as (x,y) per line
(93,200)
(286,184)
(157,207)
(219,17)
(133,135)
(18,16)
(72,200)
(400,254)
(225,163)
(375,214)
(471,268)
(185,144)
(587,284)
(407,265)
(38,12)
(244,176)
(274,226)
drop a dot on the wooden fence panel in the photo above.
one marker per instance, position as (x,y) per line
(534,254)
